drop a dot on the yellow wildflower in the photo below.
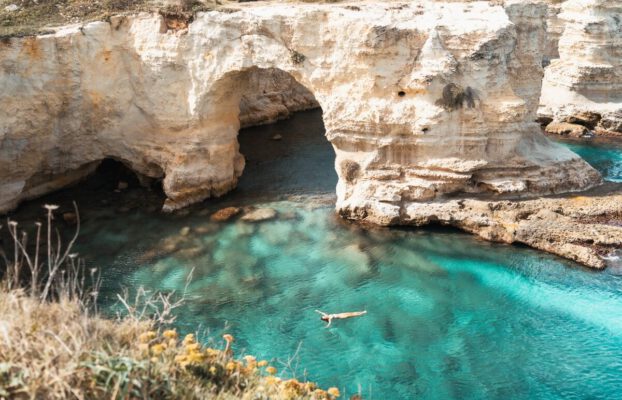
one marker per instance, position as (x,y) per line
(157,349)
(250,359)
(262,363)
(189,339)
(230,366)
(271,370)
(192,347)
(170,334)
(146,337)
(195,357)
(333,392)
(320,393)
(270,380)
(292,384)
(212,370)
(211,352)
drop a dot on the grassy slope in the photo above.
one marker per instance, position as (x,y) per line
(55,350)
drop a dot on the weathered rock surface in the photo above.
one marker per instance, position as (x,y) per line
(583,228)
(423,101)
(272,95)
(611,124)
(587,77)
(259,214)
(225,214)
(567,129)
(555,29)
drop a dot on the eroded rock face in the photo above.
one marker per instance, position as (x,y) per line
(586,229)
(273,95)
(588,74)
(554,30)
(422,101)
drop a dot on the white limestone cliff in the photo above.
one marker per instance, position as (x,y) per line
(554,30)
(272,95)
(422,102)
(587,77)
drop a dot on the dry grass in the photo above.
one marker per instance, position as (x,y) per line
(38,16)
(54,345)
(44,346)
(57,351)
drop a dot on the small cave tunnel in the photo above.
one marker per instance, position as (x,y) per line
(115,176)
(283,138)
(112,185)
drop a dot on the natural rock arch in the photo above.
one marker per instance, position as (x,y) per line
(424,102)
(129,90)
(240,98)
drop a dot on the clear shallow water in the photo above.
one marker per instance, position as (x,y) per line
(449,316)
(603,154)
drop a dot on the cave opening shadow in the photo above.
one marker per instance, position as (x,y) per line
(287,158)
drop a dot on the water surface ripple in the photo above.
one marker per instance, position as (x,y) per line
(449,316)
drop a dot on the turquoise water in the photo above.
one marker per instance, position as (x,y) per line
(449,316)
(603,154)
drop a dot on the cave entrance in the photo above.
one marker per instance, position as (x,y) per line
(282,138)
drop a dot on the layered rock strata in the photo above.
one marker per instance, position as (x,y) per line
(587,77)
(554,30)
(272,95)
(584,228)
(423,102)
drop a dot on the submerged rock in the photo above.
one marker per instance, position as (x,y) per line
(225,214)
(70,217)
(259,214)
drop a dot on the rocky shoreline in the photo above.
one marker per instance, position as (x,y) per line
(415,142)
(584,227)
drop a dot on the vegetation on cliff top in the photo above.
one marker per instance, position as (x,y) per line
(31,17)
(54,344)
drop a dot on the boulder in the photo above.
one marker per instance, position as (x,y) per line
(70,217)
(259,214)
(585,118)
(225,214)
(612,122)
(567,129)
